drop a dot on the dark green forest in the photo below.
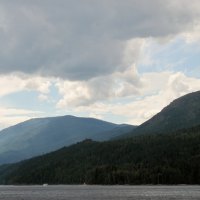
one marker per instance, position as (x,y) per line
(172,158)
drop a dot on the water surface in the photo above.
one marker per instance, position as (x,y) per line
(85,192)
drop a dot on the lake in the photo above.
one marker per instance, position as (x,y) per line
(86,192)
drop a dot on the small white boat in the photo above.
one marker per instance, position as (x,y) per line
(45,184)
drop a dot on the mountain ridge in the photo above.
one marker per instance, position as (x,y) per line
(137,160)
(165,150)
(41,135)
(181,113)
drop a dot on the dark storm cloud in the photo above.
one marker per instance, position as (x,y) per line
(83,39)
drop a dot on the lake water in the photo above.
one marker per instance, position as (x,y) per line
(85,192)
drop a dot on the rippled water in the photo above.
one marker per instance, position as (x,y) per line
(99,192)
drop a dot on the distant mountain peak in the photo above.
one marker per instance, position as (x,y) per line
(42,135)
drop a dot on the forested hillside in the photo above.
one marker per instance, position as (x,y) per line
(172,158)
(43,135)
(183,112)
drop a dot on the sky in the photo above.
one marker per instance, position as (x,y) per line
(119,61)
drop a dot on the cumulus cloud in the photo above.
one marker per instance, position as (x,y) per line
(138,110)
(84,40)
(18,82)
(83,93)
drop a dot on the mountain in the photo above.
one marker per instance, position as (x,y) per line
(165,149)
(38,136)
(183,112)
(171,158)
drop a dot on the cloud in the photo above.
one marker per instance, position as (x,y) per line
(83,93)
(102,96)
(157,96)
(103,56)
(192,36)
(11,116)
(15,83)
(39,84)
(10,84)
(85,40)
(18,82)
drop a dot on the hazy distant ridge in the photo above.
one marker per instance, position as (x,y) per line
(38,136)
